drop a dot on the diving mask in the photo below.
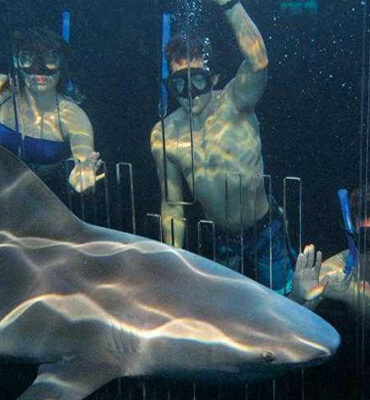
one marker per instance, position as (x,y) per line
(200,80)
(45,62)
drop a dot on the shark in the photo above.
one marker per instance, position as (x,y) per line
(89,304)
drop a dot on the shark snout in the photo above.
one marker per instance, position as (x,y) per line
(292,336)
(311,347)
(295,351)
(319,346)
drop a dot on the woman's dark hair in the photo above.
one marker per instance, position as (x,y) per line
(199,47)
(41,39)
(38,39)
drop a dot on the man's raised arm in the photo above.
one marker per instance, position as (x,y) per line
(250,81)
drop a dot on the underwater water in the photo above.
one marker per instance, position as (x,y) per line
(313,121)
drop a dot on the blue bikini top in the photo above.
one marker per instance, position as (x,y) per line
(33,150)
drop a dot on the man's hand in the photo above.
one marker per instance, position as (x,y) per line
(83,175)
(306,284)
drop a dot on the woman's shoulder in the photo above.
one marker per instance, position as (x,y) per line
(70,106)
(72,115)
(4,87)
(3,80)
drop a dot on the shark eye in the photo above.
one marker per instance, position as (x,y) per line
(268,356)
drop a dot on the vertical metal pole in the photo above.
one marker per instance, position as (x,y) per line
(186,241)
(163,111)
(106,196)
(241,221)
(268,178)
(94,203)
(226,202)
(120,179)
(144,390)
(200,239)
(67,168)
(303,385)
(285,211)
(364,193)
(169,397)
(81,195)
(158,218)
(246,392)
(270,199)
(190,99)
(239,193)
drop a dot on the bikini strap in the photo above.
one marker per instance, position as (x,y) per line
(3,102)
(60,122)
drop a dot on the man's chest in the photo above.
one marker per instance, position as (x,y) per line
(216,148)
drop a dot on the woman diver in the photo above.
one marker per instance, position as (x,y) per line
(38,121)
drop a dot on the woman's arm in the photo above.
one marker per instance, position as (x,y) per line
(81,137)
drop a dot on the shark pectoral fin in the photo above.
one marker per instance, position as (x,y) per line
(72,379)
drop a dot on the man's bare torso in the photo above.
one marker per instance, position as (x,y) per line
(227,161)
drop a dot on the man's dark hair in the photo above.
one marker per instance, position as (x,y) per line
(199,47)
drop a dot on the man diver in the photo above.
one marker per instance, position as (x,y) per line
(226,150)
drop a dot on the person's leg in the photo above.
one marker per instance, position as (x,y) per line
(226,249)
(275,258)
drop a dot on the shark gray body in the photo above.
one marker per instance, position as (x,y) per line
(90,304)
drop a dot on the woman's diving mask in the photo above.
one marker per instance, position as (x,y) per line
(42,62)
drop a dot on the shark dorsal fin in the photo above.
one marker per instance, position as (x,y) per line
(27,206)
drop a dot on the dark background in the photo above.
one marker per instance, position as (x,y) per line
(309,114)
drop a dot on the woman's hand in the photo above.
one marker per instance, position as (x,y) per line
(83,175)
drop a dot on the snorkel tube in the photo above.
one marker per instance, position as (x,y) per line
(350,231)
(66,34)
(66,25)
(165,69)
